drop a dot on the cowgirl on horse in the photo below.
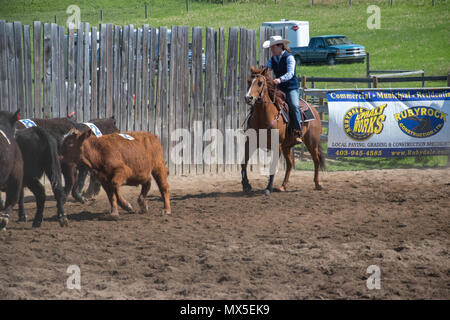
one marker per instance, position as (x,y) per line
(282,63)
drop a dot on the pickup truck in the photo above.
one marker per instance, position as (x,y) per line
(329,49)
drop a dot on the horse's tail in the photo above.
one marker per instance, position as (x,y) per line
(322,164)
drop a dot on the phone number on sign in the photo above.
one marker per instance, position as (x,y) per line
(359,153)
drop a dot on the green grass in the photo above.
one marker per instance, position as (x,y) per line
(357,164)
(414,35)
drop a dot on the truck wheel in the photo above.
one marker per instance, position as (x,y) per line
(298,60)
(331,60)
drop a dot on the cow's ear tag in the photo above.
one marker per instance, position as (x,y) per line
(18,117)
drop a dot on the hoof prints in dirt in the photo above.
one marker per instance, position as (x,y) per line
(223,244)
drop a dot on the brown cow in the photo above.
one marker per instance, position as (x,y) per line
(117,161)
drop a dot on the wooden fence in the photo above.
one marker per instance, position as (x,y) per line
(135,75)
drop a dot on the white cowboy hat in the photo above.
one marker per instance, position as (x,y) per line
(273,40)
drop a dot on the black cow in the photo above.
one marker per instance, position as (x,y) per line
(40,154)
(11,164)
(58,128)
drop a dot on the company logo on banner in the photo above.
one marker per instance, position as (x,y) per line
(420,122)
(388,123)
(361,123)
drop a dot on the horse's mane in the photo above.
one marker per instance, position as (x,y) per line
(280,96)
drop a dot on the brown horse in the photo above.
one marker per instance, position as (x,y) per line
(261,96)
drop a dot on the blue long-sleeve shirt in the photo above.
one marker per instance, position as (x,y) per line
(290,67)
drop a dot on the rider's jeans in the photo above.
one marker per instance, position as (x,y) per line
(292,97)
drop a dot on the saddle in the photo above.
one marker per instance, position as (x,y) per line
(305,110)
(283,107)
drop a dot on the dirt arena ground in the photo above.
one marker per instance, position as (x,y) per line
(222,244)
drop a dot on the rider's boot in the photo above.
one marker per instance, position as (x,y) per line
(298,135)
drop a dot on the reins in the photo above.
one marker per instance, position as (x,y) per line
(273,101)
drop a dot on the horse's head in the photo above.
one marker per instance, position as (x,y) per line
(257,85)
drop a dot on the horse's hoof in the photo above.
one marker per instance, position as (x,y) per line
(247,188)
(319,187)
(22,219)
(267,192)
(282,189)
(166,211)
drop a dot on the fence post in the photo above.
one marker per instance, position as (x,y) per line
(375,82)
(303,87)
(4,101)
(27,71)
(367,64)
(17,27)
(368,68)
(47,69)
(448,79)
(37,40)
(196,102)
(145,11)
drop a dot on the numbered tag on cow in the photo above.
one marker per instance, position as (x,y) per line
(126,136)
(94,129)
(28,123)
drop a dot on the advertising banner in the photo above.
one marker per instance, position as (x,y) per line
(388,123)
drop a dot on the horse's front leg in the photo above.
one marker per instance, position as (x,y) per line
(269,188)
(246,187)
(289,156)
(272,169)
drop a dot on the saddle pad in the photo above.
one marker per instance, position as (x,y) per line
(28,123)
(305,112)
(94,129)
(305,108)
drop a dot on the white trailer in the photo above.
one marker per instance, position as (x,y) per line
(297,32)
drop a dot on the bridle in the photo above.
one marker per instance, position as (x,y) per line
(265,88)
(273,101)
